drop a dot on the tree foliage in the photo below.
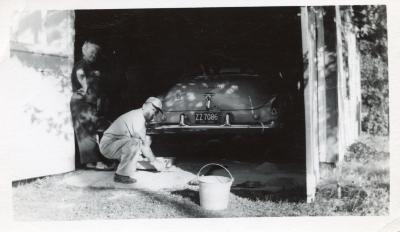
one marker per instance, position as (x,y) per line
(371,27)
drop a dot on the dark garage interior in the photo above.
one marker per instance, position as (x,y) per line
(145,51)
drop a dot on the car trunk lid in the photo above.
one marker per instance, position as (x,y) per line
(228,93)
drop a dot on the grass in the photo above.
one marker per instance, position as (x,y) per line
(363,179)
(363,190)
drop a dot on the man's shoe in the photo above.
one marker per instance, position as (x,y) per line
(123,179)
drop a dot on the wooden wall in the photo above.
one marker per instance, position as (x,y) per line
(39,68)
(332,88)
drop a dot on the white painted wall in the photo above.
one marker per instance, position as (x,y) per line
(36,94)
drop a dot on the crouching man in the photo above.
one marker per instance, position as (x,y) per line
(126,141)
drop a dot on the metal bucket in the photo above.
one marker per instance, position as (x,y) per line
(214,190)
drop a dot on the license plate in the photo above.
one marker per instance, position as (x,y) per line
(206,117)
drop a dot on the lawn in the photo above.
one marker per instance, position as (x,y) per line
(360,186)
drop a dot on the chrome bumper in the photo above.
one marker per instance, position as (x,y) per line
(172,129)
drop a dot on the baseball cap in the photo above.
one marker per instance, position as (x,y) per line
(155,102)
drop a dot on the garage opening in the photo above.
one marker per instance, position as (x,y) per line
(146,51)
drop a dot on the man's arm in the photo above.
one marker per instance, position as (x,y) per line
(80,74)
(147,152)
(135,135)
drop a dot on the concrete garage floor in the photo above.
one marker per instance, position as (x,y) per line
(266,176)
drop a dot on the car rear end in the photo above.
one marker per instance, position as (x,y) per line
(237,104)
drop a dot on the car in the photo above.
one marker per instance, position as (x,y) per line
(224,100)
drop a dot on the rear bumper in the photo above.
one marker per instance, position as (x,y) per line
(215,129)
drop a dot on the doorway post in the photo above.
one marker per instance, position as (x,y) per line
(308,27)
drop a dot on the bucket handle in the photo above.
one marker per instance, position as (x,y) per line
(215,165)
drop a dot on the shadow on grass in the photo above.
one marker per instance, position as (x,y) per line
(284,195)
(188,208)
(189,194)
(292,195)
(347,191)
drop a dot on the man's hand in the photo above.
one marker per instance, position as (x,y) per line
(147,141)
(95,73)
(81,92)
(80,74)
(160,166)
(148,153)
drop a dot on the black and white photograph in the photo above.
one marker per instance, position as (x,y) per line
(206,112)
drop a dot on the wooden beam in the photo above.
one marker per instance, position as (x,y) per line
(354,83)
(341,88)
(310,74)
(330,72)
(321,94)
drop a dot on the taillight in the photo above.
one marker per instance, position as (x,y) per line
(275,106)
(256,116)
(163,117)
(274,111)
